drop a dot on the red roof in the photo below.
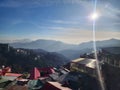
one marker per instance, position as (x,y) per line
(13,74)
(5,70)
(41,72)
(35,73)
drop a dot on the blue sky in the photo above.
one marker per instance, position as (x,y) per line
(64,20)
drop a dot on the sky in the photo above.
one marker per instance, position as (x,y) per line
(68,21)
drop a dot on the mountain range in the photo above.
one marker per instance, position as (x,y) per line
(48,45)
(71,51)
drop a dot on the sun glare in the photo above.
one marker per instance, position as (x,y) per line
(94,16)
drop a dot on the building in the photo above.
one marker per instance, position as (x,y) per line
(41,72)
(35,74)
(11,76)
(84,65)
(4,48)
(45,72)
(6,73)
(7,80)
(111,67)
(54,86)
(111,56)
(4,83)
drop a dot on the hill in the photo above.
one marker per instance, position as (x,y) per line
(22,60)
(88,48)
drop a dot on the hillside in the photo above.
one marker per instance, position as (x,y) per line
(73,54)
(24,59)
(88,48)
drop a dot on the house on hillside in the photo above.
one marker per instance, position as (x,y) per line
(4,48)
(45,72)
(7,78)
(11,76)
(84,65)
(6,73)
(5,70)
(41,72)
(35,74)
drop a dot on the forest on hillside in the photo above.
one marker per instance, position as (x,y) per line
(23,60)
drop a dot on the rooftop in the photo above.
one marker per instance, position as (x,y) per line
(91,63)
(58,85)
(13,74)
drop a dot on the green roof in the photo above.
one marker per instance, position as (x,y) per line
(4,83)
(34,84)
(3,80)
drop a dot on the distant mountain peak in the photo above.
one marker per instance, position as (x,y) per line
(113,39)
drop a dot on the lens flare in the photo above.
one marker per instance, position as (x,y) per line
(94,16)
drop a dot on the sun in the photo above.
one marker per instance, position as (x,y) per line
(94,16)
